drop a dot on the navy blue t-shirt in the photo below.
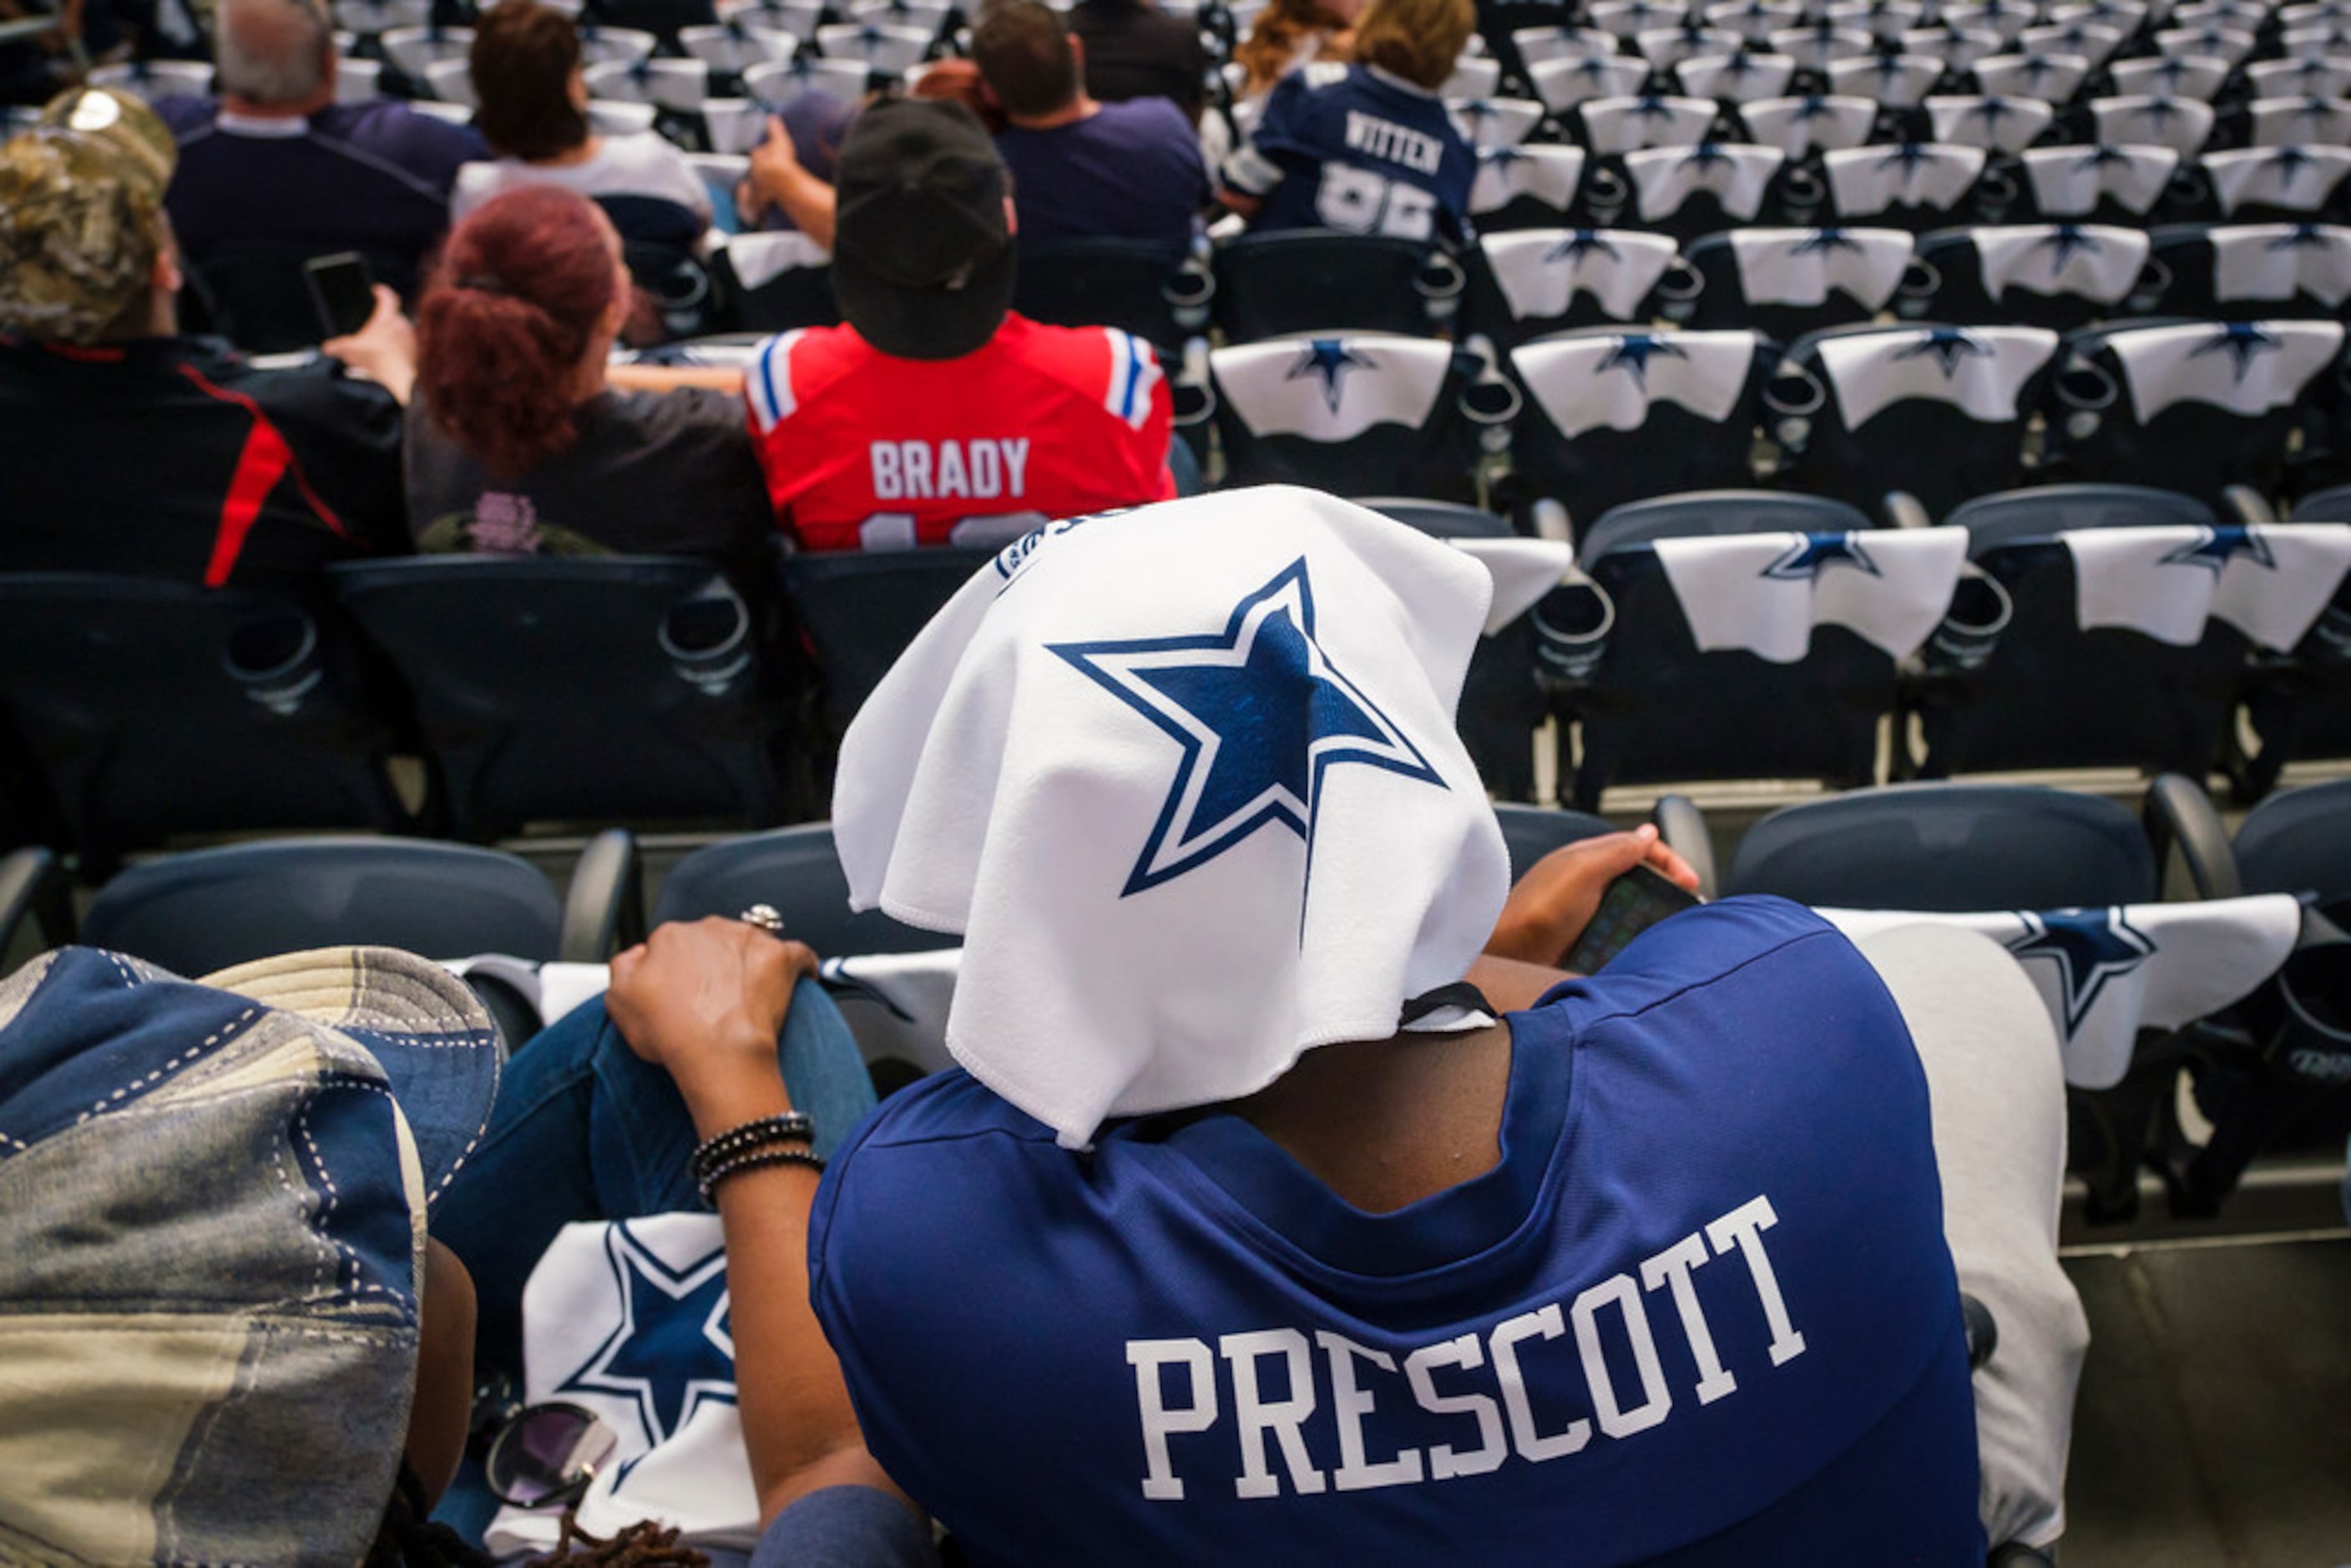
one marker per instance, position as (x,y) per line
(1365,154)
(1129,171)
(1701,1312)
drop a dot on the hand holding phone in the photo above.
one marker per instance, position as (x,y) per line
(1632,903)
(342,292)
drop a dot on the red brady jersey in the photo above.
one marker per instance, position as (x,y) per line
(866,451)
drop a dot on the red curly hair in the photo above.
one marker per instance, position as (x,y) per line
(512,310)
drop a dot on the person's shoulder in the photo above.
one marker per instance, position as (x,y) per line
(187,116)
(1098,364)
(793,368)
(947,1107)
(391,128)
(1153,118)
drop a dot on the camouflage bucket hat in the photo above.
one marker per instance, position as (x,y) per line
(81,196)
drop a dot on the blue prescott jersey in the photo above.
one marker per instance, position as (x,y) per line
(1366,154)
(1701,1311)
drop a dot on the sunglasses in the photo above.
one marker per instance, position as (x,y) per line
(548,1454)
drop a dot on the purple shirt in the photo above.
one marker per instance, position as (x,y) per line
(1131,171)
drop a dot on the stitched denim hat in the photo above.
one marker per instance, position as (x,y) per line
(211,1228)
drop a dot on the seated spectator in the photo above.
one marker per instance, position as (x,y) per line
(240,1309)
(532,108)
(1083,169)
(1370,150)
(519,445)
(1289,34)
(1292,1237)
(1132,49)
(159,455)
(275,164)
(935,415)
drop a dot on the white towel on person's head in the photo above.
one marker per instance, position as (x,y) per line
(1185,778)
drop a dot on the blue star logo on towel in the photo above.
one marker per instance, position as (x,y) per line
(1706,155)
(2301,237)
(1822,241)
(1329,360)
(1806,559)
(2065,242)
(1632,353)
(1580,244)
(2243,342)
(1814,106)
(672,1352)
(2035,67)
(1909,157)
(1992,111)
(2219,547)
(1947,345)
(1650,105)
(2289,162)
(2089,947)
(1262,715)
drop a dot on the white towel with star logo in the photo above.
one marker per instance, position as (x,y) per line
(2092,261)
(1797,126)
(1765,592)
(1332,389)
(1600,379)
(1185,780)
(2247,367)
(1735,175)
(2070,181)
(2106,974)
(1868,180)
(1980,371)
(2271,582)
(628,1319)
(1539,271)
(2297,179)
(1548,174)
(1799,267)
(2276,261)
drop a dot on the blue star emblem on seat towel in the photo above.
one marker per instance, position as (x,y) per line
(1806,559)
(2089,947)
(672,1352)
(1632,353)
(2064,241)
(1329,360)
(2243,342)
(2219,547)
(1261,715)
(1580,244)
(1823,240)
(1947,345)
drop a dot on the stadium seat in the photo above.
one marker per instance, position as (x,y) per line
(1532,282)
(1367,413)
(2029,684)
(2058,275)
(153,708)
(36,900)
(796,872)
(1685,192)
(1659,702)
(1134,285)
(1786,282)
(1914,185)
(207,909)
(858,612)
(2194,406)
(579,689)
(1319,280)
(1525,187)
(2125,185)
(2246,272)
(774,282)
(1615,416)
(1936,411)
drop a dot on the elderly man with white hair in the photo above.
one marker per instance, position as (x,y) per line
(275,163)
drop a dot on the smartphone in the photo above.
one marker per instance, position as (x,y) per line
(342,292)
(1634,902)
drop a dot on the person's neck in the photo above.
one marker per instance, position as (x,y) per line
(301,109)
(1387,1123)
(1078,108)
(586,150)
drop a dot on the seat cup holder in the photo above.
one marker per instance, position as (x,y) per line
(1981,611)
(1791,398)
(707,641)
(1572,623)
(1677,291)
(2085,390)
(2313,1039)
(1193,402)
(275,659)
(1439,283)
(1188,291)
(1914,294)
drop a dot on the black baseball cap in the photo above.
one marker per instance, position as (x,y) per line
(921,253)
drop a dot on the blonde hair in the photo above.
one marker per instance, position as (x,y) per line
(1272,47)
(1418,40)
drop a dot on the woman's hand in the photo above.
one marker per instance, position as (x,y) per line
(383,351)
(1553,903)
(707,1002)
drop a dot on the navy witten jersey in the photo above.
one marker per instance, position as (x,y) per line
(1701,1312)
(1366,154)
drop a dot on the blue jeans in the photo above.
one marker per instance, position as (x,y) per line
(583,1129)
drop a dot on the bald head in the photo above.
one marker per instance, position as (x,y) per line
(274,57)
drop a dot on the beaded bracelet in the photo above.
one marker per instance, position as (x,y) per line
(789,1127)
(736,1165)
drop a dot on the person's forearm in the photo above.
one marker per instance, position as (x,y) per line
(673,378)
(806,200)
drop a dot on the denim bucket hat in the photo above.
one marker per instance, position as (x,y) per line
(213,1202)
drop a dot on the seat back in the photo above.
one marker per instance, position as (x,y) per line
(2051,694)
(1134,285)
(205,910)
(2247,272)
(1538,281)
(1914,185)
(1785,283)
(2046,512)
(2058,275)
(1316,280)
(619,687)
(775,282)
(1532,186)
(2124,185)
(1615,416)
(858,612)
(1933,410)
(1531,832)
(258,296)
(1360,414)
(1954,847)
(154,708)
(2187,406)
(1685,192)
(2299,841)
(797,872)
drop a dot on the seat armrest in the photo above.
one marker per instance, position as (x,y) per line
(605,909)
(2177,815)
